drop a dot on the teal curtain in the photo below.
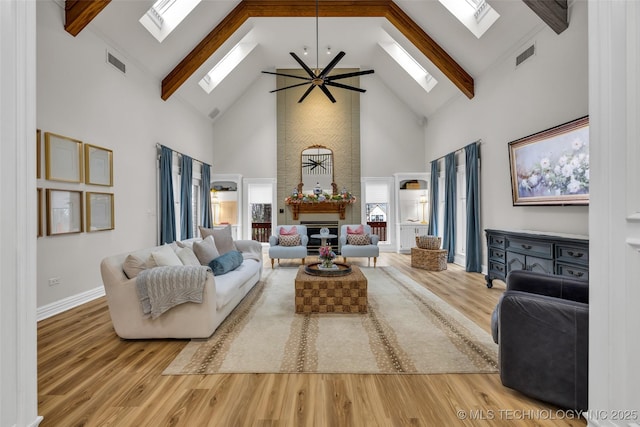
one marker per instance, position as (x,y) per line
(433,200)
(449,239)
(186,197)
(205,196)
(167,213)
(473,244)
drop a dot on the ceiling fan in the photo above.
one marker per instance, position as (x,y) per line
(318,78)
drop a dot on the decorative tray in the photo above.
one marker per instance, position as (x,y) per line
(315,270)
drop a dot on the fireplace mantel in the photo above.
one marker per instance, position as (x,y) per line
(329,207)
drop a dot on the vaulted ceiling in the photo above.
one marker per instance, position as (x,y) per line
(424,28)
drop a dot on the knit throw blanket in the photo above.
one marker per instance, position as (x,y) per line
(162,288)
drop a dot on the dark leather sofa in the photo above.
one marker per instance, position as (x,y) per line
(541,326)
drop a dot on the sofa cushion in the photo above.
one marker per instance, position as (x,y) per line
(133,265)
(222,237)
(226,263)
(187,256)
(291,231)
(164,256)
(206,250)
(229,285)
(358,239)
(289,240)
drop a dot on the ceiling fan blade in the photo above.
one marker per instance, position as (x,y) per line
(326,92)
(303,65)
(340,85)
(289,87)
(306,93)
(332,64)
(347,75)
(287,75)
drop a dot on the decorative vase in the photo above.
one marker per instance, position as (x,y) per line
(326,264)
(324,231)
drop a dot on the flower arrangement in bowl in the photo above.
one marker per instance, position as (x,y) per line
(326,256)
(344,197)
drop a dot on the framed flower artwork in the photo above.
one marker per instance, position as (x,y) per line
(552,167)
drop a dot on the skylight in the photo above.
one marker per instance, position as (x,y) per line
(165,15)
(410,65)
(223,68)
(477,15)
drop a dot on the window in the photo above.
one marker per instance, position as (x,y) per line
(165,15)
(408,63)
(227,64)
(260,198)
(377,207)
(477,15)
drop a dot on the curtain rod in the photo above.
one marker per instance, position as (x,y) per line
(478,142)
(181,154)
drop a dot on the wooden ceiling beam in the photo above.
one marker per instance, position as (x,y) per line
(307,8)
(553,12)
(78,14)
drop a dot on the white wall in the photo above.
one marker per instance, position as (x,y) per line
(81,96)
(392,137)
(549,89)
(18,351)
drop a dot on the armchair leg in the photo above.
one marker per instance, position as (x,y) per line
(375,259)
(344,259)
(302,261)
(272,262)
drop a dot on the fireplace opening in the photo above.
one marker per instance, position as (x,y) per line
(313,227)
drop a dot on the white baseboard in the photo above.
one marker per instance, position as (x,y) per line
(68,303)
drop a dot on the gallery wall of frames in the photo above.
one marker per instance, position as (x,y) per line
(76,194)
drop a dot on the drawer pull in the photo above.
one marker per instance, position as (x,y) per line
(500,255)
(527,247)
(575,273)
(499,241)
(575,254)
(499,268)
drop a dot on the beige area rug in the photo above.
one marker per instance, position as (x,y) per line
(407,330)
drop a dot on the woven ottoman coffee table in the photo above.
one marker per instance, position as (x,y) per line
(331,294)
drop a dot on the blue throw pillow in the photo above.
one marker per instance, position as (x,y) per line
(226,262)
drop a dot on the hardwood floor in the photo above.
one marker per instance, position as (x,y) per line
(87,376)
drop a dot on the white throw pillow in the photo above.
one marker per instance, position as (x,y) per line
(187,256)
(165,256)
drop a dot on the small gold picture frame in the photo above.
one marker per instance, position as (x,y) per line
(38,154)
(100,210)
(98,165)
(39,204)
(63,158)
(64,212)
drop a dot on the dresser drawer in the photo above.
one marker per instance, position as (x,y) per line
(572,254)
(496,255)
(497,241)
(530,247)
(575,272)
(497,270)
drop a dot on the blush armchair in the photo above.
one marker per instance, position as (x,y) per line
(353,250)
(279,251)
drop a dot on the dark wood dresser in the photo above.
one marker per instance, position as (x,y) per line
(546,252)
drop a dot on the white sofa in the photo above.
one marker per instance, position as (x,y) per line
(188,320)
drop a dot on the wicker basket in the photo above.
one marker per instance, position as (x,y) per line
(432,260)
(428,242)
